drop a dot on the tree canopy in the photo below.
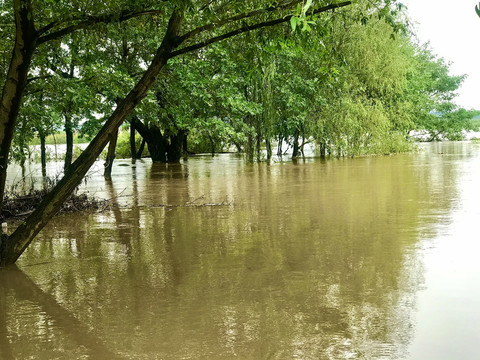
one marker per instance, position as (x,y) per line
(210,75)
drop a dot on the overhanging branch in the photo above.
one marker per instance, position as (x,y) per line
(248,28)
(238,17)
(89,21)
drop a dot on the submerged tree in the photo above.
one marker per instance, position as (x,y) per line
(34,26)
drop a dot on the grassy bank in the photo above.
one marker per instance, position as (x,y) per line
(59,139)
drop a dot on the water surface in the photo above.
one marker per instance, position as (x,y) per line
(369,258)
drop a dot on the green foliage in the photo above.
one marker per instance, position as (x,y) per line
(59,139)
(122,150)
(354,84)
(450,125)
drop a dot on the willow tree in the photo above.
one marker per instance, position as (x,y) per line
(366,110)
(187,28)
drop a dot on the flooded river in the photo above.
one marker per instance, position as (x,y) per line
(368,258)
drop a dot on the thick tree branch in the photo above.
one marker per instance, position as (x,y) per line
(43,77)
(248,28)
(238,17)
(140,127)
(89,21)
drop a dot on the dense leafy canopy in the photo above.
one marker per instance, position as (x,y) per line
(354,82)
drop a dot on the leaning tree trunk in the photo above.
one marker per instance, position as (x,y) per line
(11,247)
(112,146)
(15,83)
(139,154)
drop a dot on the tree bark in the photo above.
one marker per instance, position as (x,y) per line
(16,81)
(133,150)
(69,141)
(112,146)
(295,144)
(279,146)
(43,155)
(140,149)
(268,144)
(185,145)
(258,144)
(323,149)
(157,144)
(174,149)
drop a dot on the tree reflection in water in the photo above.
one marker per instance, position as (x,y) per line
(24,289)
(315,260)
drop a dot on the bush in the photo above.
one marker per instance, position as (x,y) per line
(123,145)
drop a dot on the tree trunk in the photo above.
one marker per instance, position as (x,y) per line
(43,155)
(249,148)
(140,149)
(258,144)
(174,149)
(212,144)
(157,145)
(323,149)
(133,150)
(268,144)
(15,83)
(11,247)
(112,145)
(279,146)
(185,145)
(295,144)
(69,141)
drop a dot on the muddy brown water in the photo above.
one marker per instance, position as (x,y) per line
(368,258)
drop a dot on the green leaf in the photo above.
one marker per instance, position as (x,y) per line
(306,27)
(307,6)
(477,10)
(293,22)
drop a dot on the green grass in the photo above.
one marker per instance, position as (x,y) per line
(59,139)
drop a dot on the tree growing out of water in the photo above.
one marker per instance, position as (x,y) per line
(164,66)
(187,28)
